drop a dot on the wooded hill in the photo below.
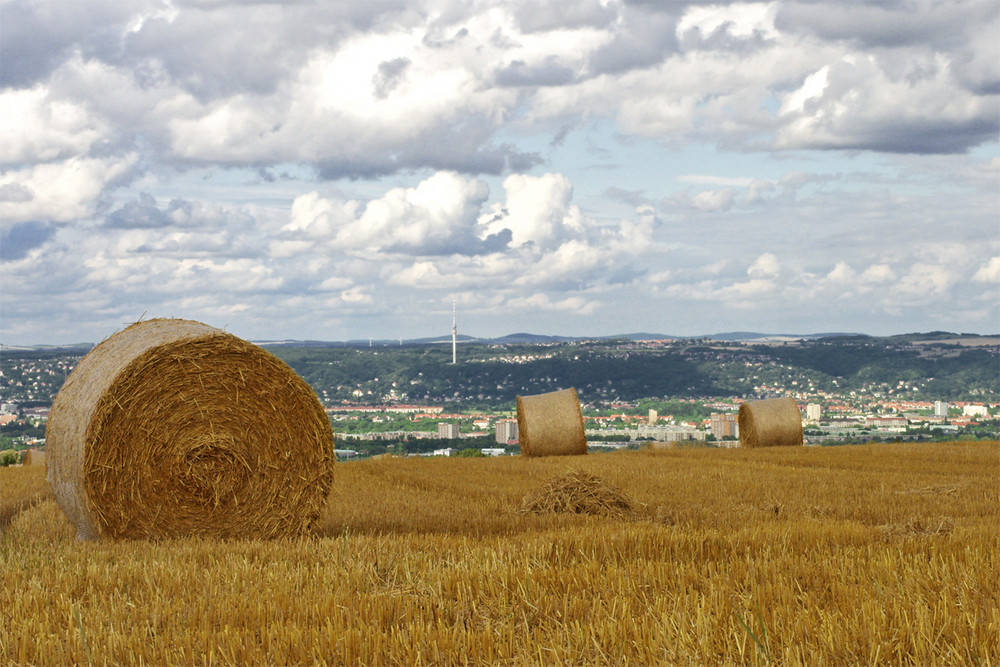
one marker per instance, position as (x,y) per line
(934,366)
(490,375)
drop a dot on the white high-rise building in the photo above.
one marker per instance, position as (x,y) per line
(446,430)
(940,408)
(724,425)
(506,431)
(814,411)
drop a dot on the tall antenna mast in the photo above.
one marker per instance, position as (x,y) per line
(454,333)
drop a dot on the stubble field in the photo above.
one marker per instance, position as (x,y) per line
(875,554)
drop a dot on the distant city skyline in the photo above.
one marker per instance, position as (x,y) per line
(340,171)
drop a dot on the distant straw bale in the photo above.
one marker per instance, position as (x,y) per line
(774,422)
(551,424)
(660,445)
(577,492)
(175,428)
(33,457)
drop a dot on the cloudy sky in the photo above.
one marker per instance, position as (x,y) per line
(338,170)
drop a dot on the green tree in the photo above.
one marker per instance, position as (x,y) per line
(470,452)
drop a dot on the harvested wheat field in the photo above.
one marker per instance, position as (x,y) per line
(875,554)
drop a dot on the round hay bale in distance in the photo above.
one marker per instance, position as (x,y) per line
(551,424)
(775,422)
(174,428)
(661,445)
(33,457)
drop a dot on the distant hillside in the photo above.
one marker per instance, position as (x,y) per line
(529,338)
(935,366)
(622,369)
(752,336)
(541,339)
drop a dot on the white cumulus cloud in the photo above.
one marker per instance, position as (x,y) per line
(988,272)
(58,191)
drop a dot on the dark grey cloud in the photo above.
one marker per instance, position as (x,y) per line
(542,16)
(23,60)
(17,240)
(142,213)
(209,49)
(926,136)
(722,39)
(461,145)
(435,39)
(518,161)
(498,242)
(625,275)
(462,244)
(559,138)
(644,39)
(549,73)
(266,174)
(35,38)
(675,6)
(15,193)
(634,198)
(202,53)
(390,74)
(977,79)
(879,24)
(209,229)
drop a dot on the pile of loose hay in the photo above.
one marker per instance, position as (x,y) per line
(175,428)
(919,527)
(775,422)
(551,424)
(577,492)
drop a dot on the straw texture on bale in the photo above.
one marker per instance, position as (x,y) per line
(33,457)
(173,428)
(775,422)
(551,424)
(577,492)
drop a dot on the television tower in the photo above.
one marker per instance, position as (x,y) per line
(454,334)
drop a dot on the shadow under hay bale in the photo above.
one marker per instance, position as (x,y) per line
(551,424)
(775,422)
(577,492)
(174,428)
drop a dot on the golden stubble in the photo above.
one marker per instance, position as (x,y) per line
(800,556)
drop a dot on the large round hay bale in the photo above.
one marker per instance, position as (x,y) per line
(551,424)
(33,457)
(775,422)
(174,428)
